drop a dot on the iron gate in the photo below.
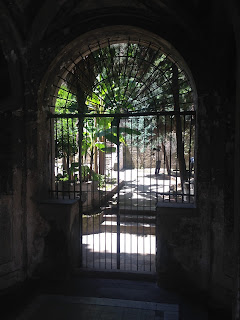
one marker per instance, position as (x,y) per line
(120,166)
(123,122)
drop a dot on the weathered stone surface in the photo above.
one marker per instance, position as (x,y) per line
(61,242)
(5,234)
(178,246)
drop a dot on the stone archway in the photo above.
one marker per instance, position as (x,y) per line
(69,59)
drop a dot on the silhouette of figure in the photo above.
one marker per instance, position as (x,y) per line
(158,159)
(191,164)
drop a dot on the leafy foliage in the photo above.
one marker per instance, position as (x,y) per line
(118,78)
(65,130)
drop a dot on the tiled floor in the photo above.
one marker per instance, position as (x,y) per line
(94,298)
(75,308)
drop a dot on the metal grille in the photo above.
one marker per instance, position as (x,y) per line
(123,128)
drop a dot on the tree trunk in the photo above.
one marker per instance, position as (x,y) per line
(101,159)
(71,169)
(180,145)
(91,163)
(64,163)
(82,110)
(96,159)
(80,138)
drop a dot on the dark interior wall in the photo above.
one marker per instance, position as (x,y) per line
(5,78)
(35,33)
(236,303)
(216,152)
(11,213)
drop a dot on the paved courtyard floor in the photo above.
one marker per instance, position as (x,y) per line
(143,188)
(137,252)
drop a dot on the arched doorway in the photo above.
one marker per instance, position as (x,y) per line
(123,124)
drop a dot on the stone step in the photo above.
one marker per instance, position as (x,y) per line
(129,211)
(132,228)
(139,211)
(130,218)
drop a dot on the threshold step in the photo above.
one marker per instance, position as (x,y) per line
(131,229)
(130,218)
(135,224)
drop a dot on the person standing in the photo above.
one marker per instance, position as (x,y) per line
(191,164)
(158,159)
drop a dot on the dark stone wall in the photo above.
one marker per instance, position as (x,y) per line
(236,250)
(197,244)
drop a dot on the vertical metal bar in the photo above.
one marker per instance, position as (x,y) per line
(62,157)
(105,171)
(68,159)
(51,157)
(150,243)
(118,194)
(164,157)
(80,138)
(176,174)
(126,61)
(131,124)
(189,159)
(183,138)
(87,197)
(74,164)
(56,156)
(119,68)
(144,200)
(102,188)
(157,138)
(125,178)
(92,200)
(190,151)
(99,227)
(170,155)
(137,189)
(112,204)
(150,161)
(99,204)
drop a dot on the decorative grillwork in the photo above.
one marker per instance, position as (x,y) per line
(123,78)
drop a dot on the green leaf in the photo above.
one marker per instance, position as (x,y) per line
(112,138)
(105,123)
(100,145)
(129,131)
(103,133)
(109,149)
(121,139)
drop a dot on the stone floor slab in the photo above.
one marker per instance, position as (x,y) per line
(75,308)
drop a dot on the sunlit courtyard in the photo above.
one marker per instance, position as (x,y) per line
(137,205)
